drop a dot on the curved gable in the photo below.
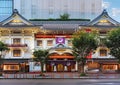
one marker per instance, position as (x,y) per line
(103,20)
(16,20)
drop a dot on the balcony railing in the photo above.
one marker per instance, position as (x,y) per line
(17,45)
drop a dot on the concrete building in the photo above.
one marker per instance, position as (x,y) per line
(6,8)
(47,9)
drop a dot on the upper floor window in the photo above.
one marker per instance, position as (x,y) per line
(103,52)
(39,42)
(49,42)
(16,53)
(16,41)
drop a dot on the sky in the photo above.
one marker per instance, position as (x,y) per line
(113,8)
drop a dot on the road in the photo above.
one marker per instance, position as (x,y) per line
(60,82)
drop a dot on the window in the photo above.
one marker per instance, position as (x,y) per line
(49,42)
(103,52)
(51,6)
(16,53)
(39,42)
(16,41)
(11,67)
(6,8)
(51,10)
(109,67)
(69,42)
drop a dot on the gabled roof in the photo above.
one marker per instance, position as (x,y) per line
(103,20)
(16,20)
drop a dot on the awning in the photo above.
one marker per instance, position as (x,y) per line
(58,57)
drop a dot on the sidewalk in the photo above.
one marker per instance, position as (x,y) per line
(58,75)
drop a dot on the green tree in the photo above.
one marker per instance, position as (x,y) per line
(83,43)
(65,16)
(40,56)
(113,43)
(3,47)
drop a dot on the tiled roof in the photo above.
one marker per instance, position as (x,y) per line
(68,26)
(15,14)
(60,26)
(103,15)
(59,22)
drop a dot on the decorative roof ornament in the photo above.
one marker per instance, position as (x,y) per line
(15,11)
(105,11)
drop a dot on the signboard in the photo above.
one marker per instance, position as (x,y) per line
(34,66)
(60,40)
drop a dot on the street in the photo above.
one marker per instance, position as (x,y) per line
(58,75)
(60,82)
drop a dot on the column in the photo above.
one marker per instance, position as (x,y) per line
(44,67)
(76,66)
(10,39)
(55,68)
(23,42)
(10,42)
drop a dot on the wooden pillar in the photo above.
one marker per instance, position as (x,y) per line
(101,69)
(118,66)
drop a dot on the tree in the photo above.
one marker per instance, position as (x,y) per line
(65,16)
(113,43)
(40,56)
(3,47)
(83,43)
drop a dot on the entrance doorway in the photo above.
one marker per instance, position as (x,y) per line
(60,67)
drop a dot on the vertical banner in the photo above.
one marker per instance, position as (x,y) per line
(60,40)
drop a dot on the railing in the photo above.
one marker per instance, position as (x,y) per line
(17,45)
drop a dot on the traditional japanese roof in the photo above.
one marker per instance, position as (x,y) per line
(103,20)
(60,27)
(16,20)
(60,22)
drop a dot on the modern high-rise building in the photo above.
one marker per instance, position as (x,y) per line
(47,9)
(6,8)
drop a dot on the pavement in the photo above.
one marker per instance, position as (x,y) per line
(60,75)
(59,81)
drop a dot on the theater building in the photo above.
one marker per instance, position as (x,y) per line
(23,37)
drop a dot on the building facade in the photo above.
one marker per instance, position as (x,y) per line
(6,8)
(52,9)
(23,37)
